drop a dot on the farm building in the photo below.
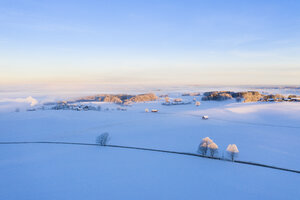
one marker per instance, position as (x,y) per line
(178,100)
(205,117)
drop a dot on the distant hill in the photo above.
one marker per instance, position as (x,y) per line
(248,96)
(117,98)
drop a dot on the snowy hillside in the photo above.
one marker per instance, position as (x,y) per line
(266,133)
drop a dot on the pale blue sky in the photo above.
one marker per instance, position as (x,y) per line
(153,42)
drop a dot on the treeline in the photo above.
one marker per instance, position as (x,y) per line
(249,96)
(116,98)
(210,148)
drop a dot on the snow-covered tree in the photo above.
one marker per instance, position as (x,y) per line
(203,147)
(232,151)
(208,140)
(213,149)
(102,139)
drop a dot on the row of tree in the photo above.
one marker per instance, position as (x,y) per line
(207,145)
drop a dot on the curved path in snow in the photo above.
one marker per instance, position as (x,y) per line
(156,150)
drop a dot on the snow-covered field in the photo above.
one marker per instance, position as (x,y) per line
(267,133)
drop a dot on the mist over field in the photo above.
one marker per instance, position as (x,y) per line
(149,100)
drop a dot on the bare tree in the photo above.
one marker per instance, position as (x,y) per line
(213,149)
(238,99)
(102,139)
(232,151)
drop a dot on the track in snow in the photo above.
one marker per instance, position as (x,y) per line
(156,150)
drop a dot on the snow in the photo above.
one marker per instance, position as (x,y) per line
(232,148)
(267,133)
(276,108)
(213,146)
(71,172)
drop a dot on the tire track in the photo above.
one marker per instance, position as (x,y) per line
(156,150)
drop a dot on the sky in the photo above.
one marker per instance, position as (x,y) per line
(150,42)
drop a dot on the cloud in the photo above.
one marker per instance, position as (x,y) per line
(32,101)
